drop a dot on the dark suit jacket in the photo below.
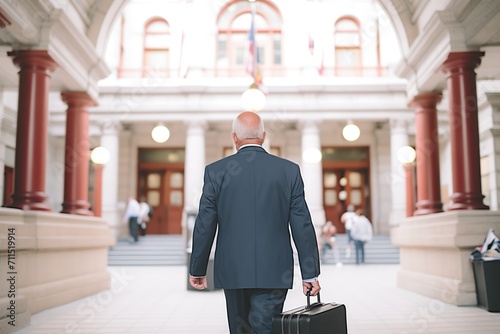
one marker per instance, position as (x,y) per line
(251,199)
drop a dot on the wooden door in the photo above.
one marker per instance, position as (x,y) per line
(341,187)
(163,189)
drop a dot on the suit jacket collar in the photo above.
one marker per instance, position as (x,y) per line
(248,148)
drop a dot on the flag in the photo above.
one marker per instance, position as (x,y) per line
(251,60)
(251,56)
(316,51)
(321,66)
(311,44)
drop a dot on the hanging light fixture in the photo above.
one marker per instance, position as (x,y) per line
(253,99)
(351,131)
(312,155)
(160,133)
(100,155)
(406,154)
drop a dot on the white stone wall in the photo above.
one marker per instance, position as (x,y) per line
(197,20)
(54,179)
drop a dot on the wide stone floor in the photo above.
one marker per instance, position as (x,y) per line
(156,300)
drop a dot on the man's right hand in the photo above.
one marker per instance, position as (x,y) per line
(199,283)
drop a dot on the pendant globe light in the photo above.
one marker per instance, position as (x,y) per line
(351,131)
(160,133)
(406,154)
(100,155)
(253,99)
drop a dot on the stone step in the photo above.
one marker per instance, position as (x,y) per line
(150,250)
(379,250)
(165,250)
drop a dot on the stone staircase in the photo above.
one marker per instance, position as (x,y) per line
(150,250)
(379,250)
(169,250)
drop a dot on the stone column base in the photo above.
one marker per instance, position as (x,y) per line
(435,253)
(52,259)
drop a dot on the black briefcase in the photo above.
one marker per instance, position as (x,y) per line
(316,318)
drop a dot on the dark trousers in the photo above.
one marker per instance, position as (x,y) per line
(143,230)
(360,251)
(132,226)
(251,311)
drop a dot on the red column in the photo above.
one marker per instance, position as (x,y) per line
(427,147)
(464,130)
(97,206)
(76,160)
(410,189)
(32,122)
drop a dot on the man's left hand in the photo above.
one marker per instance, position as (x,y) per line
(313,287)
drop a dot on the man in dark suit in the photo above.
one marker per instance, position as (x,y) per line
(252,200)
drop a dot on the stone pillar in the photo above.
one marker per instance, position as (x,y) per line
(110,141)
(490,144)
(464,131)
(427,147)
(76,159)
(32,126)
(399,138)
(97,205)
(2,152)
(194,165)
(410,189)
(312,172)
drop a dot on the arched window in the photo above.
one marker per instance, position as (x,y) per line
(348,47)
(156,48)
(233,37)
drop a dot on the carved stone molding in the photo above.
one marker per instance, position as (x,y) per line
(4,20)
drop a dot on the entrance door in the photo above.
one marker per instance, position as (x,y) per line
(345,181)
(164,191)
(341,187)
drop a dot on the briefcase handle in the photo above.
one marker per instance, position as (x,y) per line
(309,305)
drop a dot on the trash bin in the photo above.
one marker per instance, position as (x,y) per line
(486,278)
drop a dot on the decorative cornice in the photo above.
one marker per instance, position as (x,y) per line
(421,65)
(76,55)
(493,99)
(492,133)
(4,20)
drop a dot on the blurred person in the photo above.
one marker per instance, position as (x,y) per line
(145,214)
(347,219)
(328,232)
(131,216)
(361,232)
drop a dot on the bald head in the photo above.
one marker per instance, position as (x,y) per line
(248,128)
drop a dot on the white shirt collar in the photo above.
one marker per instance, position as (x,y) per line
(250,145)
